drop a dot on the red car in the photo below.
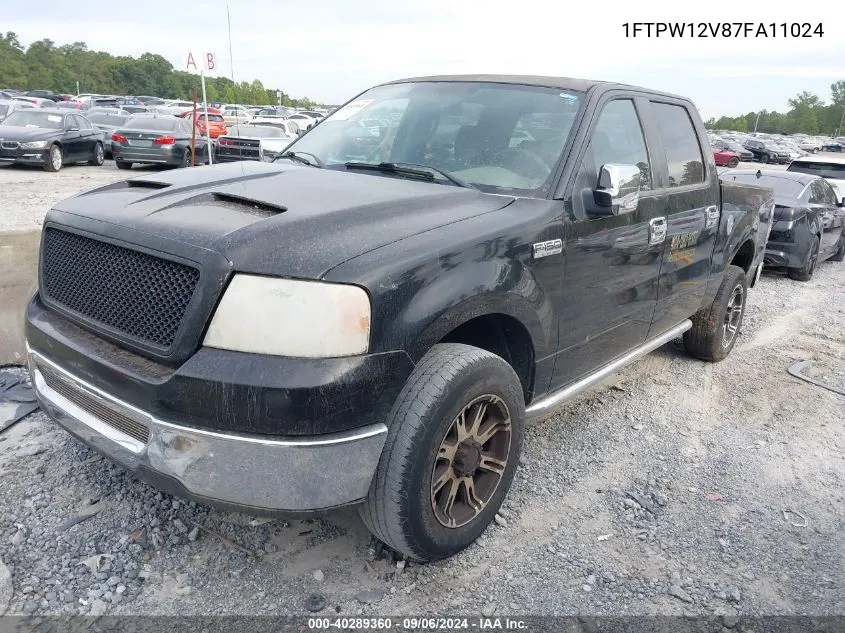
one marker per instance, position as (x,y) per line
(725,158)
(214,127)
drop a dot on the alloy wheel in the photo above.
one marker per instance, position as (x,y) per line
(733,315)
(471,460)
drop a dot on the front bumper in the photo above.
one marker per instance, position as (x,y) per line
(23,156)
(248,473)
(782,255)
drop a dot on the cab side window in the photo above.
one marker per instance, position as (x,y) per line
(817,192)
(618,138)
(680,142)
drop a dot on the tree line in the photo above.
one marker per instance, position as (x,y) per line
(44,66)
(807,114)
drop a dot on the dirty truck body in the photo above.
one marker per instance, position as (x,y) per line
(370,319)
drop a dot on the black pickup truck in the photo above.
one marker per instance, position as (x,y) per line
(371,318)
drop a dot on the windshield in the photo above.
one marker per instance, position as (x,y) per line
(784,188)
(825,170)
(33,118)
(498,137)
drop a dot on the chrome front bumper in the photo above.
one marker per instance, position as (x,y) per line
(234,471)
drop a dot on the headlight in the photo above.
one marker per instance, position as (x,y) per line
(285,317)
(34,145)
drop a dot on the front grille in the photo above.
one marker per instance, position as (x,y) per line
(104,413)
(10,145)
(138,295)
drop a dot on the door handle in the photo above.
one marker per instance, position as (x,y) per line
(657,231)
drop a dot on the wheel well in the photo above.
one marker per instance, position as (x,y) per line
(744,256)
(504,336)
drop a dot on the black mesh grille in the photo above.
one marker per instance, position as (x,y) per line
(137,294)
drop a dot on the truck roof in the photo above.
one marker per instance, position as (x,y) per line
(563,83)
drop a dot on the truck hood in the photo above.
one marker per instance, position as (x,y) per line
(275,219)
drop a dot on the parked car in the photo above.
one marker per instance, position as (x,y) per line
(49,138)
(235,114)
(833,146)
(244,142)
(732,146)
(321,331)
(7,107)
(289,128)
(304,121)
(44,94)
(828,167)
(809,218)
(766,151)
(36,101)
(108,124)
(812,145)
(155,140)
(725,158)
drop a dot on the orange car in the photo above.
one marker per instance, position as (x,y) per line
(215,126)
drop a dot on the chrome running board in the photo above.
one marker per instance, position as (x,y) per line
(556,398)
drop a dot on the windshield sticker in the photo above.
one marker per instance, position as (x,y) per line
(54,118)
(351,109)
(570,98)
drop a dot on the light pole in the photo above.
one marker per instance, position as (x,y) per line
(756,122)
(841,122)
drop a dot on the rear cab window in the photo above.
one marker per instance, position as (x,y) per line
(821,169)
(684,159)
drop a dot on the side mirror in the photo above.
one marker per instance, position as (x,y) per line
(842,202)
(618,190)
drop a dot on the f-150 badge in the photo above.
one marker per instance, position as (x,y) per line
(550,247)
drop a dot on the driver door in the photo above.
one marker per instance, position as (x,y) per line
(611,260)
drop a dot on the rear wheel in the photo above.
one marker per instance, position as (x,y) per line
(455,434)
(715,329)
(805,272)
(122,164)
(186,160)
(99,155)
(55,159)
(839,255)
(733,162)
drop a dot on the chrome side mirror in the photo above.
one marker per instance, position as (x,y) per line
(618,190)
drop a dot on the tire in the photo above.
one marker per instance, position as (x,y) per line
(402,508)
(186,159)
(815,150)
(839,255)
(122,164)
(805,272)
(715,328)
(733,162)
(55,159)
(99,156)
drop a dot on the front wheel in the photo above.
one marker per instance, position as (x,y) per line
(733,162)
(455,434)
(715,328)
(839,255)
(805,272)
(55,159)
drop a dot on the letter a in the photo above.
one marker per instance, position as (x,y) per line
(191,62)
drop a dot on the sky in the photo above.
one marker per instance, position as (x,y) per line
(330,50)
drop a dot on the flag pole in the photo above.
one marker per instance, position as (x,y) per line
(207,120)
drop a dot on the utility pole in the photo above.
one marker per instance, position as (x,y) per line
(841,121)
(756,122)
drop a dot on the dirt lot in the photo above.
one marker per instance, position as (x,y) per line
(676,487)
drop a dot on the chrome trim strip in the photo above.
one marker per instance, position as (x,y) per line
(556,398)
(287,474)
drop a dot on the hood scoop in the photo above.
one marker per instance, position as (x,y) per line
(146,184)
(258,207)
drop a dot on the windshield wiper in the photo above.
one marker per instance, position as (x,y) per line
(301,159)
(412,169)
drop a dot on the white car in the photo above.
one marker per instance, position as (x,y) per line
(304,121)
(812,145)
(289,128)
(830,168)
(235,114)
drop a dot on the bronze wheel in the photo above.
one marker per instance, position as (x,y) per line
(451,452)
(471,461)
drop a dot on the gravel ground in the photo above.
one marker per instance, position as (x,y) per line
(675,487)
